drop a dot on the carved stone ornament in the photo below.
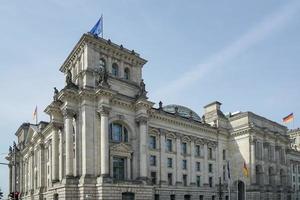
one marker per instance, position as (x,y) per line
(70,84)
(68,113)
(160,104)
(142,93)
(103,110)
(55,95)
(103,78)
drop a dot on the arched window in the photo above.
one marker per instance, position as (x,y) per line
(115,70)
(126,74)
(102,63)
(118,132)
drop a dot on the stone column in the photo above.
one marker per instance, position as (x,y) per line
(41,166)
(178,161)
(252,161)
(10,178)
(68,120)
(143,148)
(32,170)
(104,138)
(55,158)
(163,159)
(192,163)
(128,160)
(61,155)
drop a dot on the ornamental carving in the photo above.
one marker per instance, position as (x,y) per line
(68,113)
(121,149)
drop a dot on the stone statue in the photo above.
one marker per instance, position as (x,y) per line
(143,92)
(69,77)
(10,149)
(160,105)
(55,94)
(103,77)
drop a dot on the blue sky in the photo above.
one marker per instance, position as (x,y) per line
(244,54)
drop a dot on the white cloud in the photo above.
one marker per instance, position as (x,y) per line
(270,23)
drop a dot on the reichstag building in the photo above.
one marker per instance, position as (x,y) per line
(106,140)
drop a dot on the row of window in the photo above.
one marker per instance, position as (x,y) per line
(268,152)
(187,197)
(198,148)
(153,175)
(184,164)
(115,69)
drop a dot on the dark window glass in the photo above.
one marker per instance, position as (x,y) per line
(118,133)
(115,69)
(201,197)
(170,179)
(210,168)
(152,142)
(197,150)
(224,154)
(184,164)
(119,168)
(170,162)
(172,197)
(153,160)
(198,166)
(184,179)
(210,153)
(183,148)
(126,74)
(169,145)
(198,181)
(153,178)
(210,181)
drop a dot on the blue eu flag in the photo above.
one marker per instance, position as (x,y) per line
(98,28)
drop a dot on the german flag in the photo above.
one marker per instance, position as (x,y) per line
(245,170)
(288,118)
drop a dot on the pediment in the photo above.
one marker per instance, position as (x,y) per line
(121,147)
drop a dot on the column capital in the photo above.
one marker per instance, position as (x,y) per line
(103,110)
(141,119)
(68,113)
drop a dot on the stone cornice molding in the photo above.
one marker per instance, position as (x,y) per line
(123,104)
(56,125)
(121,149)
(200,141)
(105,92)
(186,139)
(53,108)
(141,119)
(68,95)
(143,104)
(241,132)
(183,123)
(170,135)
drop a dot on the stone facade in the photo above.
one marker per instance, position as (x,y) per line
(106,140)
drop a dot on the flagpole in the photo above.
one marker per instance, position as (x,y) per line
(102,24)
(36,118)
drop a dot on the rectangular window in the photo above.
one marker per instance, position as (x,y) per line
(224,154)
(184,179)
(170,179)
(152,142)
(153,178)
(152,160)
(224,172)
(198,166)
(156,196)
(294,179)
(197,150)
(184,164)
(118,168)
(201,197)
(210,153)
(198,181)
(210,167)
(169,145)
(172,197)
(210,181)
(183,148)
(170,163)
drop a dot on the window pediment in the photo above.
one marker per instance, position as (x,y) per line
(121,149)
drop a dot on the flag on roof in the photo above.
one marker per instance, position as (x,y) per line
(288,118)
(98,27)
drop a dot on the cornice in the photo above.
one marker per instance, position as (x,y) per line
(179,121)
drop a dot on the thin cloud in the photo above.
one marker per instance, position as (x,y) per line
(272,22)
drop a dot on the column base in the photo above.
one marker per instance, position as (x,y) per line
(104,178)
(144,180)
(178,183)
(87,179)
(70,180)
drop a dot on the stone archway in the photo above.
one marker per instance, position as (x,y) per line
(241,190)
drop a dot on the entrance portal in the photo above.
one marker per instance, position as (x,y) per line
(127,196)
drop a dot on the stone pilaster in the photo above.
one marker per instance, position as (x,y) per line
(143,147)
(252,161)
(68,120)
(104,138)
(178,160)
(205,166)
(55,158)
(163,160)
(61,157)
(10,178)
(192,163)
